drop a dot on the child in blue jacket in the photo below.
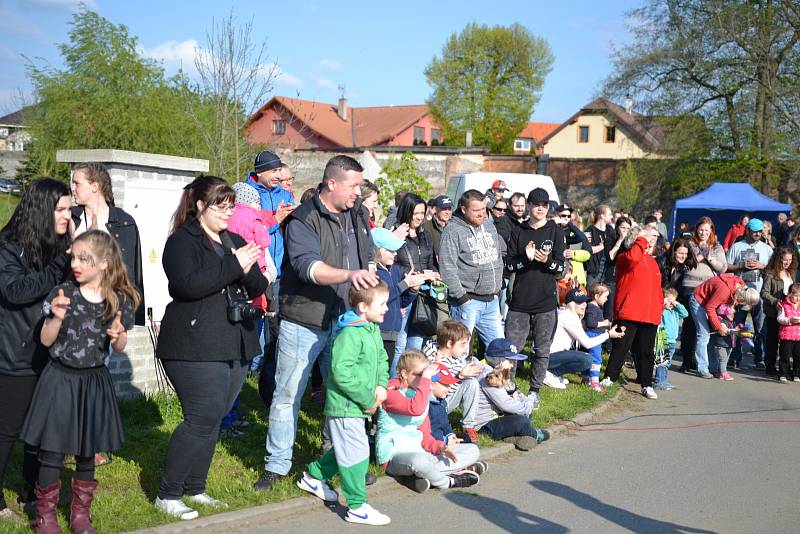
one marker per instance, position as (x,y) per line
(402,289)
(674,312)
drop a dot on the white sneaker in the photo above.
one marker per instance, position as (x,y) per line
(535,400)
(206,500)
(649,392)
(553,381)
(564,380)
(606,382)
(176,508)
(366,515)
(320,488)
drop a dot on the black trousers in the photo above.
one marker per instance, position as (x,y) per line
(639,339)
(688,338)
(771,344)
(15,398)
(206,391)
(266,380)
(790,349)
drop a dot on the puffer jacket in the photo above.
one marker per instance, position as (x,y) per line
(639,297)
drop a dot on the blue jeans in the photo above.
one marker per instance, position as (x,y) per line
(483,316)
(407,339)
(569,361)
(757,313)
(263,336)
(298,348)
(663,370)
(703,329)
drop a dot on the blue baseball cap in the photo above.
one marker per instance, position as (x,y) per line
(383,238)
(504,348)
(755,225)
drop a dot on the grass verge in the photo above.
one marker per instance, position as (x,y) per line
(129,483)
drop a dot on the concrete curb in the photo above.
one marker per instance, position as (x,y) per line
(259,515)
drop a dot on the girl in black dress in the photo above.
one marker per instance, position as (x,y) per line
(74,410)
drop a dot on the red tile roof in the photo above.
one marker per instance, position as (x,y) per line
(373,125)
(538,130)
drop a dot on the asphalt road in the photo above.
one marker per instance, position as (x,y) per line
(722,458)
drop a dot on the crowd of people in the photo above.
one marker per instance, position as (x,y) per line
(380,318)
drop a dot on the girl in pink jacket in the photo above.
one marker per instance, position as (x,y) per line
(789,333)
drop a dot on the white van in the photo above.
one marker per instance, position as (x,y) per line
(515,183)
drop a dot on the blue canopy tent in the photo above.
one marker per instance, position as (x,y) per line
(725,204)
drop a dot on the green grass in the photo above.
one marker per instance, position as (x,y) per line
(8,203)
(128,485)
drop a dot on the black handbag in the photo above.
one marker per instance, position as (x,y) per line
(425,315)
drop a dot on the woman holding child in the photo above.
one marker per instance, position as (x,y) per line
(778,277)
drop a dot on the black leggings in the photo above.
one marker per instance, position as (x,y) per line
(16,393)
(206,391)
(53,462)
(639,339)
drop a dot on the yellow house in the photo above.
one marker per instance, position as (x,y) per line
(604,130)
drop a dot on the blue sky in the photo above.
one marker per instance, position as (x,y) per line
(377,50)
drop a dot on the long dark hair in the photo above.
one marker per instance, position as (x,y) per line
(209,189)
(405,211)
(774,265)
(33,223)
(691,260)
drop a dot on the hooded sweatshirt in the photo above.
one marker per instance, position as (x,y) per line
(470,260)
(358,365)
(535,284)
(400,296)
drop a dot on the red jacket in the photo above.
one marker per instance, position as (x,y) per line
(714,292)
(736,231)
(639,297)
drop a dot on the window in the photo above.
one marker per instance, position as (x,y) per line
(436,136)
(279,127)
(419,135)
(611,134)
(3,132)
(583,134)
(522,144)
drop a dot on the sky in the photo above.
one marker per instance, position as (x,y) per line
(376,50)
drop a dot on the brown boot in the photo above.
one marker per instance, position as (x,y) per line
(80,518)
(46,502)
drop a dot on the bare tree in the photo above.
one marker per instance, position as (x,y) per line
(235,76)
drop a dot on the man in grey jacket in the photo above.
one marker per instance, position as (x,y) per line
(470,262)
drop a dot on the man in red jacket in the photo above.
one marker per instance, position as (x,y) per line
(638,305)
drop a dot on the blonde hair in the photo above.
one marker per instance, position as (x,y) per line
(671,292)
(499,377)
(747,295)
(573,307)
(598,289)
(115,282)
(408,360)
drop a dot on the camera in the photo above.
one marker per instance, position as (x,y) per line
(239,307)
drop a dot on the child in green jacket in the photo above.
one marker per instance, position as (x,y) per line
(356,388)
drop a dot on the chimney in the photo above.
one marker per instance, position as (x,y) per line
(628,104)
(342,109)
(468,140)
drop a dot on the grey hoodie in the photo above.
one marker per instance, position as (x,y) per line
(471,258)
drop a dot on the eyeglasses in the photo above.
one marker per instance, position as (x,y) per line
(501,210)
(565,215)
(220,208)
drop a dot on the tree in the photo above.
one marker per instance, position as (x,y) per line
(733,63)
(107,96)
(235,77)
(488,80)
(627,188)
(399,175)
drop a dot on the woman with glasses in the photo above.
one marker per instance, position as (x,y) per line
(208,334)
(499,209)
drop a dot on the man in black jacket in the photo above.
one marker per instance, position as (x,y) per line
(328,247)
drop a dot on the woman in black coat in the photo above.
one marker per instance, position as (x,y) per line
(95,210)
(33,260)
(204,344)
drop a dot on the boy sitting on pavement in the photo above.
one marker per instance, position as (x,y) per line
(356,387)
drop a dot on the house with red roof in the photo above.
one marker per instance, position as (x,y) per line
(533,133)
(302,124)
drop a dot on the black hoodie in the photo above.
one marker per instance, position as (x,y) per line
(535,284)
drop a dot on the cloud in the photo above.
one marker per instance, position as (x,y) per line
(174,53)
(13,24)
(330,64)
(59,5)
(325,83)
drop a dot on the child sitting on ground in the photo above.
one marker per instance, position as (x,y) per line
(401,288)
(452,339)
(674,312)
(404,445)
(596,325)
(502,415)
(789,333)
(723,345)
(356,387)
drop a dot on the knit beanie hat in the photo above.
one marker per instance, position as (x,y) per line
(246,194)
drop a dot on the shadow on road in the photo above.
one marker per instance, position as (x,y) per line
(624,518)
(504,515)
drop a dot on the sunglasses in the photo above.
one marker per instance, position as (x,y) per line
(565,215)
(501,210)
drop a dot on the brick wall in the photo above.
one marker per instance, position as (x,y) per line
(515,164)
